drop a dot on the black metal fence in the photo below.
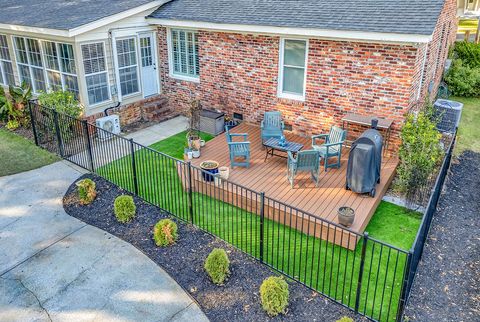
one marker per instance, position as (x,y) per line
(364,274)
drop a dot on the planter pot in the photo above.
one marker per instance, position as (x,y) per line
(210,169)
(189,155)
(224,172)
(202,143)
(194,143)
(346,216)
(196,153)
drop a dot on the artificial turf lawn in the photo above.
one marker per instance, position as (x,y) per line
(18,154)
(331,269)
(468,130)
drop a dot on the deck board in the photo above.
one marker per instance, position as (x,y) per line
(270,177)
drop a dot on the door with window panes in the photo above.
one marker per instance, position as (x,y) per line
(148,65)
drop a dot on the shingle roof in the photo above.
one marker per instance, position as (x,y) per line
(386,16)
(61,14)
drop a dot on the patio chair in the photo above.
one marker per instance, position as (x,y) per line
(239,150)
(332,146)
(308,160)
(231,136)
(272,125)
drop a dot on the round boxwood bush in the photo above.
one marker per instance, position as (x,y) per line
(345,319)
(274,295)
(124,208)
(165,232)
(217,266)
(86,191)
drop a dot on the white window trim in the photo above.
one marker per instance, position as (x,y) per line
(171,73)
(117,68)
(59,62)
(109,100)
(29,63)
(2,71)
(280,92)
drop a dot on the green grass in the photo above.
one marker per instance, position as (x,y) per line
(468,24)
(331,269)
(174,145)
(18,154)
(469,130)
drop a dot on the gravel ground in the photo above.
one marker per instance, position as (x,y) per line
(238,299)
(447,287)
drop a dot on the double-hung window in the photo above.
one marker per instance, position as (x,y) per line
(127,66)
(6,69)
(60,66)
(29,62)
(293,68)
(184,54)
(96,75)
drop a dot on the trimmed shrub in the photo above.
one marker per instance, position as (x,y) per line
(469,53)
(124,208)
(165,232)
(61,101)
(86,191)
(274,295)
(217,266)
(345,319)
(463,80)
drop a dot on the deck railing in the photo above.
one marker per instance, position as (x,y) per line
(364,274)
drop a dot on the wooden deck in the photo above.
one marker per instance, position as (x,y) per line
(270,177)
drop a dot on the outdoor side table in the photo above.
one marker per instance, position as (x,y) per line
(384,124)
(273,144)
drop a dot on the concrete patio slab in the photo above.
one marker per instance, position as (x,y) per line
(56,268)
(159,131)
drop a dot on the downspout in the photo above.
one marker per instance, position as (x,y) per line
(423,72)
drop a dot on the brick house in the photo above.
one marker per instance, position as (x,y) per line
(314,60)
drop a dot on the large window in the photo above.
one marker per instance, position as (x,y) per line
(127,66)
(184,53)
(293,58)
(6,69)
(96,75)
(56,70)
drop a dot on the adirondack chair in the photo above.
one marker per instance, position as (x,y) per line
(239,150)
(332,146)
(272,125)
(231,136)
(308,160)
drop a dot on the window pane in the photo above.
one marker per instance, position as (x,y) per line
(39,79)
(50,55)
(34,52)
(295,53)
(4,53)
(185,52)
(293,80)
(8,70)
(25,74)
(146,51)
(21,50)
(54,80)
(67,58)
(93,58)
(1,76)
(126,52)
(97,88)
(128,80)
(71,84)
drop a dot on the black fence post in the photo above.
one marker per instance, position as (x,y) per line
(360,274)
(134,167)
(262,222)
(190,191)
(32,121)
(57,131)
(89,144)
(406,285)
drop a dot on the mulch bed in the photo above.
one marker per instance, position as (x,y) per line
(447,287)
(238,299)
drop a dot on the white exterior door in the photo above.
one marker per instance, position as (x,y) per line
(148,65)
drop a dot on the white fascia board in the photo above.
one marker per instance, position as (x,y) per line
(303,32)
(111,19)
(36,30)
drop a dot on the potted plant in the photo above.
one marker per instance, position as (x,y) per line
(193,115)
(210,168)
(224,173)
(346,216)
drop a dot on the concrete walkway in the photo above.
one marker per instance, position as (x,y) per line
(160,131)
(54,267)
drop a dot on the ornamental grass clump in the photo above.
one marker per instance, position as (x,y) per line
(86,191)
(217,266)
(274,295)
(165,232)
(124,208)
(345,319)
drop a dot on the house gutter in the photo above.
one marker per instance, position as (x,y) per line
(302,32)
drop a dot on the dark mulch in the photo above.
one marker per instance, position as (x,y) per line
(447,287)
(237,300)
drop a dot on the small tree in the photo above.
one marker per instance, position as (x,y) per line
(193,115)
(420,152)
